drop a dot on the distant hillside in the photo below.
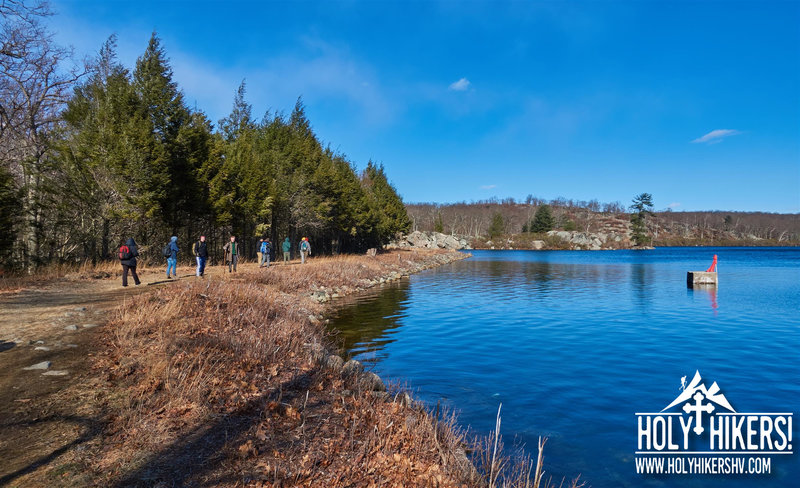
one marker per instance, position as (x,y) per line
(666,228)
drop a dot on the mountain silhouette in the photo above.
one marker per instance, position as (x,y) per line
(712,394)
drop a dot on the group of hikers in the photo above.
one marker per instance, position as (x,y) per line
(128,253)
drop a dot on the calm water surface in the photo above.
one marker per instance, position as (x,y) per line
(573,343)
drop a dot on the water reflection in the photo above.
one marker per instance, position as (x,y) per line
(641,284)
(372,320)
(707,291)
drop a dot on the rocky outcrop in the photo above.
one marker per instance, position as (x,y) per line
(402,269)
(589,240)
(430,240)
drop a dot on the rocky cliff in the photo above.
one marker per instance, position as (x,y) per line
(430,240)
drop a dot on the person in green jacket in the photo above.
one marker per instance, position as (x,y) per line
(287,249)
(231,254)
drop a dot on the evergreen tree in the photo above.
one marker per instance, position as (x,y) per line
(438,225)
(9,213)
(112,163)
(497,227)
(393,218)
(240,118)
(164,108)
(641,208)
(543,220)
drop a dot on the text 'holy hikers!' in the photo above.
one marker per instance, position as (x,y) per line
(701,421)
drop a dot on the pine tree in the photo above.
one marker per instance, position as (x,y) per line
(642,207)
(543,220)
(497,227)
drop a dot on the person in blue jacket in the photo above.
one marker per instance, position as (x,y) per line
(172,260)
(266,250)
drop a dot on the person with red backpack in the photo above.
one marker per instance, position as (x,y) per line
(127,256)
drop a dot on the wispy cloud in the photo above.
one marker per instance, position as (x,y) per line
(716,136)
(461,85)
(674,205)
(318,72)
(488,187)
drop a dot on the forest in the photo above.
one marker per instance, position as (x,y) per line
(510,216)
(95,152)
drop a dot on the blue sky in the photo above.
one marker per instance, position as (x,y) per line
(695,102)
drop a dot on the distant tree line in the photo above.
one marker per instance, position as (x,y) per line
(489,218)
(94,155)
(474,219)
(776,227)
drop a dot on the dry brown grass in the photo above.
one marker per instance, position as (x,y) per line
(220,382)
(215,382)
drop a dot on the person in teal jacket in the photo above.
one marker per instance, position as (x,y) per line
(287,249)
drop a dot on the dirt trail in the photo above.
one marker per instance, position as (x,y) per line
(53,327)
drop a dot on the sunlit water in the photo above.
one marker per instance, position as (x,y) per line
(574,343)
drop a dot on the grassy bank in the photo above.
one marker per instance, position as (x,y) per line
(231,381)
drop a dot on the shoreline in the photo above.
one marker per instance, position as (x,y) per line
(234,379)
(642,248)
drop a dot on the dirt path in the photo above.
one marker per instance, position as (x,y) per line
(47,335)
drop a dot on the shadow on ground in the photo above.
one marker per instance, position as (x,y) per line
(192,459)
(90,428)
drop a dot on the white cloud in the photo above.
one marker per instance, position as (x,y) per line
(488,187)
(461,85)
(716,136)
(674,205)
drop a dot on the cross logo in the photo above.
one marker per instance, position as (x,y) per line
(698,408)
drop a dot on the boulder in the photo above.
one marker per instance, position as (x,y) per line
(352,367)
(372,382)
(334,362)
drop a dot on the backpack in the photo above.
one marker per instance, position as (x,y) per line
(124,253)
(304,246)
(167,252)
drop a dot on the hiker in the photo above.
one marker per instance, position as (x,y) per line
(172,259)
(201,254)
(232,254)
(266,250)
(127,257)
(259,252)
(287,249)
(305,248)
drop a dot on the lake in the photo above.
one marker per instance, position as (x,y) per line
(574,343)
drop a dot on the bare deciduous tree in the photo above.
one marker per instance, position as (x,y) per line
(34,86)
